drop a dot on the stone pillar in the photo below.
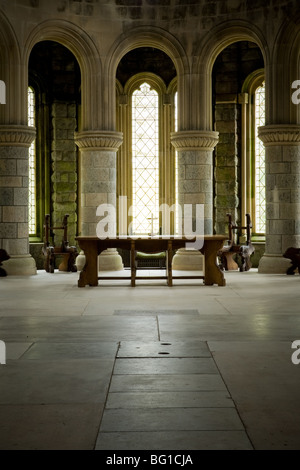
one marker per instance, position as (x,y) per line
(195,170)
(282,143)
(97,174)
(195,183)
(14,238)
(97,177)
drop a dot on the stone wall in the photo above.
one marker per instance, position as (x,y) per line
(227,165)
(64,167)
(35,249)
(257,255)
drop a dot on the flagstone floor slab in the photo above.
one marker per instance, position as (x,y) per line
(167,419)
(166,365)
(16,350)
(49,426)
(172,382)
(63,351)
(157,348)
(82,329)
(133,400)
(38,382)
(173,440)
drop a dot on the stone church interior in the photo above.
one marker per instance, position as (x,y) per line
(120,122)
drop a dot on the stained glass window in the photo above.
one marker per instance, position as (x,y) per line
(145,161)
(32,165)
(260,193)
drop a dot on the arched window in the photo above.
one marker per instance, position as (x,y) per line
(259,162)
(252,100)
(32,165)
(146,172)
(145,160)
(39,194)
(176,164)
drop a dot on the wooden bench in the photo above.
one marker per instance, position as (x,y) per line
(64,251)
(294,255)
(244,251)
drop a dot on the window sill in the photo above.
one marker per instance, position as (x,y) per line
(35,240)
(258,239)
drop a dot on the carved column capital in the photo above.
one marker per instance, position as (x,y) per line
(279,134)
(194,140)
(16,135)
(98,140)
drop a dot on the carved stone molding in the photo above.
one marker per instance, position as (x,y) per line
(194,140)
(16,135)
(280,134)
(99,140)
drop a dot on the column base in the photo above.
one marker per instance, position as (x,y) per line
(110,260)
(20,265)
(273,264)
(188,260)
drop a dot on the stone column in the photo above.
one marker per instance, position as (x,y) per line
(282,143)
(15,141)
(195,170)
(195,180)
(97,178)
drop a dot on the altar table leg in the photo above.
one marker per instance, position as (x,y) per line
(132,263)
(169,264)
(89,273)
(212,272)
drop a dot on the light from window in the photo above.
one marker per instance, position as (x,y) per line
(176,165)
(32,165)
(260,191)
(145,161)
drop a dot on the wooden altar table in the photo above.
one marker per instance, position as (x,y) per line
(93,246)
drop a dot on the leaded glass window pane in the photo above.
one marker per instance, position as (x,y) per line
(176,167)
(260,192)
(32,165)
(145,161)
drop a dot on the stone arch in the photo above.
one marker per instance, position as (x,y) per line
(87,55)
(14,111)
(285,70)
(218,39)
(151,78)
(144,37)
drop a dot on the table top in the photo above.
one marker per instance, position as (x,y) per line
(158,237)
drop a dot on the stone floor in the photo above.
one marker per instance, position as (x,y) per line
(152,367)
